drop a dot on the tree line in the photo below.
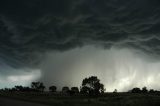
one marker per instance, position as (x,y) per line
(143,90)
(90,86)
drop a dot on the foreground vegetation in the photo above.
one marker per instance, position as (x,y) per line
(107,99)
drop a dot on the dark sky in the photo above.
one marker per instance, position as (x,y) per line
(49,40)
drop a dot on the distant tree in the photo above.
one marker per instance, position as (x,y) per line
(41,87)
(115,91)
(52,88)
(65,89)
(136,90)
(13,89)
(27,89)
(74,90)
(6,89)
(151,91)
(19,88)
(37,86)
(144,90)
(92,86)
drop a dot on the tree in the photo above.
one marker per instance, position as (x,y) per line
(27,89)
(19,88)
(136,90)
(52,88)
(74,90)
(144,90)
(92,86)
(115,91)
(65,89)
(37,86)
(151,91)
(84,90)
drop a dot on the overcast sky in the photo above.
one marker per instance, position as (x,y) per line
(60,42)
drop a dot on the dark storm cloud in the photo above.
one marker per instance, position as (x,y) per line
(30,28)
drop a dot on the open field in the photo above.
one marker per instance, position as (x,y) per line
(13,102)
(108,99)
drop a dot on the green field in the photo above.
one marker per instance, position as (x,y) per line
(107,99)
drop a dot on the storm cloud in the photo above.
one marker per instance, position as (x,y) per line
(33,31)
(117,68)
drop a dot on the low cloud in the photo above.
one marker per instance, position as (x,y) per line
(120,69)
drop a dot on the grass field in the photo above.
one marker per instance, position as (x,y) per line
(108,99)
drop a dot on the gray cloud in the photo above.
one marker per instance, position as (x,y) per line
(117,68)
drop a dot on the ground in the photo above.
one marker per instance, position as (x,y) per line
(58,99)
(13,102)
